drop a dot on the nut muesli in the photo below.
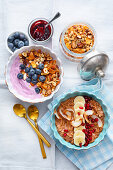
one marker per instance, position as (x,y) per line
(79,38)
(40,70)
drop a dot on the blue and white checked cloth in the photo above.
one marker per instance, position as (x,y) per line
(99,157)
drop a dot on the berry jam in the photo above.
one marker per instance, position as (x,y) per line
(39,32)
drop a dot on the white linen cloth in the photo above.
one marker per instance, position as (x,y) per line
(19,148)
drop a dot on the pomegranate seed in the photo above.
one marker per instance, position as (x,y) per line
(65,130)
(79,113)
(96,119)
(85,109)
(87,104)
(86,133)
(65,134)
(92,125)
(84,130)
(93,130)
(86,144)
(86,100)
(80,144)
(80,107)
(83,124)
(88,108)
(93,120)
(90,138)
(86,127)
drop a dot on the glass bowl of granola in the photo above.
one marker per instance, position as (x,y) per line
(77,40)
(34,74)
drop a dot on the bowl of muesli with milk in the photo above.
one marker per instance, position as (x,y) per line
(80,120)
(34,74)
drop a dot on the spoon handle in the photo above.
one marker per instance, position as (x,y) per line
(38,133)
(41,143)
(55,17)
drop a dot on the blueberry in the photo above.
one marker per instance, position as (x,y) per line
(38,71)
(10,45)
(22,36)
(20,44)
(16,34)
(10,38)
(27,69)
(14,49)
(16,41)
(32,72)
(20,76)
(42,78)
(34,82)
(22,66)
(30,67)
(37,90)
(34,77)
(29,75)
(28,80)
(26,43)
(41,66)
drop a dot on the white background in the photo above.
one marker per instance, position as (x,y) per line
(19,146)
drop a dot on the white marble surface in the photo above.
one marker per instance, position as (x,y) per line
(16,15)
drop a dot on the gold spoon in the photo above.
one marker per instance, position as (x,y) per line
(33,114)
(21,112)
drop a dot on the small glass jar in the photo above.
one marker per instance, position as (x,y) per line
(30,27)
(76,57)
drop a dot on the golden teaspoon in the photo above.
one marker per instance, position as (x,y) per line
(33,114)
(20,111)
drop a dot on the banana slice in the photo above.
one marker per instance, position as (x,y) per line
(79,128)
(79,138)
(79,99)
(76,123)
(79,105)
(78,113)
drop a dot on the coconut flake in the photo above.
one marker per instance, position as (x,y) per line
(99,120)
(64,116)
(89,112)
(56,114)
(76,123)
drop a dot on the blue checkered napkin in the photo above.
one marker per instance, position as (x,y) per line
(99,157)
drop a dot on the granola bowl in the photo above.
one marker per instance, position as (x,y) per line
(34,74)
(77,40)
(89,125)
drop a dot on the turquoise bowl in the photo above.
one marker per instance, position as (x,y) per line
(102,134)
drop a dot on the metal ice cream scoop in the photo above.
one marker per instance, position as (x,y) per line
(93,65)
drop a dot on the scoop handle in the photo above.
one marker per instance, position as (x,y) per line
(41,143)
(38,133)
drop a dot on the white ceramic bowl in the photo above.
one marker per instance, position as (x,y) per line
(9,64)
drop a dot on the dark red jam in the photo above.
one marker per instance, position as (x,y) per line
(38,30)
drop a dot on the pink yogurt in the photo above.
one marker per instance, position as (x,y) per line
(20,85)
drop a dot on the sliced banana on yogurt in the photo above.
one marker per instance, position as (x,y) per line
(79,99)
(78,113)
(79,138)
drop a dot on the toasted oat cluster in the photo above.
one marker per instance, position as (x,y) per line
(40,70)
(79,38)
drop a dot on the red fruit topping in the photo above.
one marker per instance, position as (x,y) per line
(80,107)
(86,100)
(93,120)
(96,119)
(85,109)
(87,104)
(80,144)
(65,134)
(86,144)
(83,124)
(93,130)
(90,138)
(79,113)
(65,130)
(84,130)
(86,133)
(92,125)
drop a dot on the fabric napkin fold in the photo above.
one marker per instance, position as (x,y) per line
(100,156)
